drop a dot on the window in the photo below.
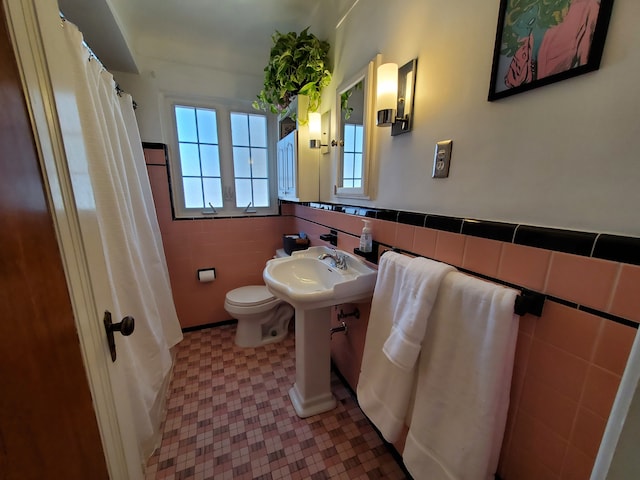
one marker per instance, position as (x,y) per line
(250,159)
(223,165)
(352,156)
(199,157)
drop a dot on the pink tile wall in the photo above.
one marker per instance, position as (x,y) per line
(568,362)
(346,350)
(237,248)
(566,392)
(587,281)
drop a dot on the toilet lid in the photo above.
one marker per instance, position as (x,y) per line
(251,295)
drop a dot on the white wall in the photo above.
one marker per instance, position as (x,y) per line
(160,77)
(565,155)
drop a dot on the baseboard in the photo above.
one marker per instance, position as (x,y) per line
(209,325)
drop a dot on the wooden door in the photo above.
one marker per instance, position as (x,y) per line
(48,427)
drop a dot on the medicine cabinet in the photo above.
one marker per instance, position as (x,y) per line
(353,143)
(297,164)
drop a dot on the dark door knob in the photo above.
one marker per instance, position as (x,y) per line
(125,327)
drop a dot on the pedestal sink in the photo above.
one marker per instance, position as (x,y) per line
(312,285)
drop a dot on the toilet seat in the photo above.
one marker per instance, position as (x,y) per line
(251,296)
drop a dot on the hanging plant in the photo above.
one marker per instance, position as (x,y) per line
(298,64)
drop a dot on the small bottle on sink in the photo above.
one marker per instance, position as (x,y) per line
(366,238)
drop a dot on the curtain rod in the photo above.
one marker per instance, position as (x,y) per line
(92,55)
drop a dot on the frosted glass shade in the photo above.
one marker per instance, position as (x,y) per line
(387,89)
(315,126)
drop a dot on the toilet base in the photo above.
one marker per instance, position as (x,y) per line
(251,341)
(261,329)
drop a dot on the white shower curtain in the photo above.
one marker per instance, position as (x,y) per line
(131,238)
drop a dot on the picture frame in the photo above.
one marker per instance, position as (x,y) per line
(539,42)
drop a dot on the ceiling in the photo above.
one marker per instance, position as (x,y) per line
(121,32)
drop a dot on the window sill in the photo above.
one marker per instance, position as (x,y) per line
(361,196)
(238,214)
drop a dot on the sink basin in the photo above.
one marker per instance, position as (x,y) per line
(303,280)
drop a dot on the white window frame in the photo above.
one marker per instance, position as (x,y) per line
(223,109)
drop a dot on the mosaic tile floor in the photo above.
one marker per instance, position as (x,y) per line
(229,417)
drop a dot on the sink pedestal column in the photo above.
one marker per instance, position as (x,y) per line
(311,394)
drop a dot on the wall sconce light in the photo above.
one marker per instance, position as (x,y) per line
(319,130)
(315,129)
(395,92)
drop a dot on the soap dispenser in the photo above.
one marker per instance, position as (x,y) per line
(366,238)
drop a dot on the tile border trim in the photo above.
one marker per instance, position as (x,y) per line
(604,246)
(162,146)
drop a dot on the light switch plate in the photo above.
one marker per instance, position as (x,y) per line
(442,159)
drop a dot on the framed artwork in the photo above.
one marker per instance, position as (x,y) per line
(539,42)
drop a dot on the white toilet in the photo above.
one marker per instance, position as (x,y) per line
(262,318)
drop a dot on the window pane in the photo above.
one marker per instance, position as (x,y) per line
(239,129)
(261,193)
(190,159)
(258,130)
(357,165)
(359,130)
(186,123)
(241,162)
(243,192)
(348,165)
(212,192)
(259,163)
(349,137)
(347,184)
(207,126)
(192,192)
(210,160)
(357,183)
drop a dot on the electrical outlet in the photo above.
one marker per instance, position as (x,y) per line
(442,159)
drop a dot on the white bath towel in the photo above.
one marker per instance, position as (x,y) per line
(384,390)
(463,382)
(419,288)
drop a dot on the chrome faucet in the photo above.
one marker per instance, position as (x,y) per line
(339,260)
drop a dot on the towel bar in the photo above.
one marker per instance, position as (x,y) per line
(527,302)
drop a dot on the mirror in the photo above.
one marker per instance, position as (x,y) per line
(354,107)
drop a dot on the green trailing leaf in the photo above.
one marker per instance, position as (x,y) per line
(344,100)
(298,64)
